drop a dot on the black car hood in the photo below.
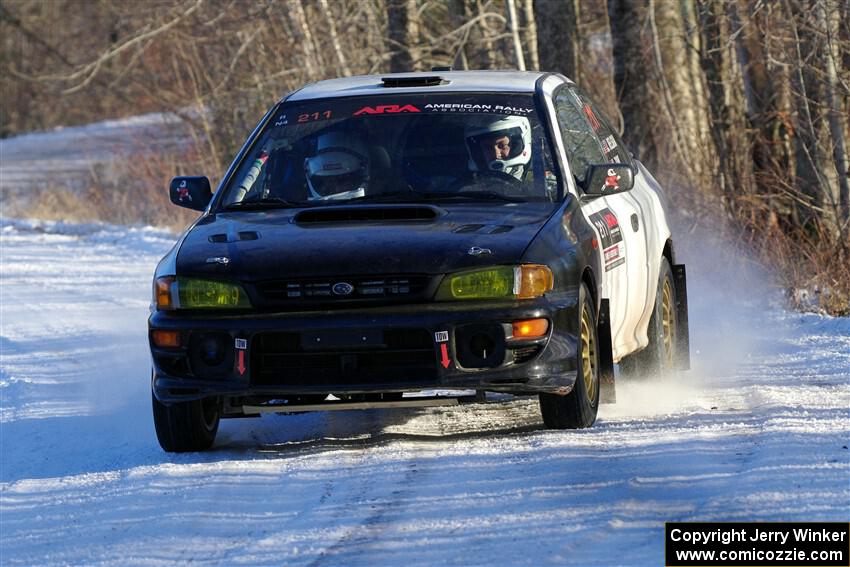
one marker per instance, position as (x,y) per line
(274,244)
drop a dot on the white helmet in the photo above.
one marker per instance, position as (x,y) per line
(518,131)
(340,168)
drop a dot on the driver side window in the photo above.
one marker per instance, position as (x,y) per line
(576,120)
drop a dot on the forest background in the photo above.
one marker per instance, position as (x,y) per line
(739,107)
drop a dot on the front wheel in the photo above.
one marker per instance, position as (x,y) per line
(578,409)
(186,426)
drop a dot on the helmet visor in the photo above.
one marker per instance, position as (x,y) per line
(502,145)
(328,185)
(336,171)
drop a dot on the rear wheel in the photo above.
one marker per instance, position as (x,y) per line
(659,356)
(186,426)
(578,409)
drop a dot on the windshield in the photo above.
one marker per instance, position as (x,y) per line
(398,149)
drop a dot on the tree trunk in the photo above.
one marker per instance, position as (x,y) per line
(331,22)
(402,35)
(631,65)
(678,85)
(829,21)
(693,44)
(302,27)
(459,14)
(530,25)
(487,52)
(808,180)
(767,99)
(715,73)
(519,57)
(557,36)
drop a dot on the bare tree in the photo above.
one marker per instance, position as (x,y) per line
(304,32)
(557,36)
(529,25)
(828,20)
(337,47)
(631,62)
(682,90)
(402,34)
(809,179)
(510,6)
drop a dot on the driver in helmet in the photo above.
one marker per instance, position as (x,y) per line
(340,168)
(501,144)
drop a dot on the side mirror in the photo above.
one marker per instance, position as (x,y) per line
(190,192)
(608,178)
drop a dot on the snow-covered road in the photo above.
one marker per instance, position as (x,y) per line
(758,430)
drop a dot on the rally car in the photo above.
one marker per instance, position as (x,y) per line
(378,236)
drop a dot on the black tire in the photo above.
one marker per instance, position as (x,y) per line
(308,399)
(186,426)
(659,356)
(385,397)
(578,409)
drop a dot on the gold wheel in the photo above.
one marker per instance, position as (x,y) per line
(668,323)
(588,353)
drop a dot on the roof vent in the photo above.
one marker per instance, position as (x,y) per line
(412,81)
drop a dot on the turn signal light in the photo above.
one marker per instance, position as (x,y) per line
(534,280)
(166,339)
(530,328)
(162,293)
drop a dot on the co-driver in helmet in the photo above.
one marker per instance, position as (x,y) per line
(340,168)
(500,144)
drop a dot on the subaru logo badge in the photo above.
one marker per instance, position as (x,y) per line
(478,251)
(342,288)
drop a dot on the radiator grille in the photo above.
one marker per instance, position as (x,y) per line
(343,288)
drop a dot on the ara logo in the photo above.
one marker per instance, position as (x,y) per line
(387,109)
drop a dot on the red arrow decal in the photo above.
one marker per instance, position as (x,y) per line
(241,365)
(444,351)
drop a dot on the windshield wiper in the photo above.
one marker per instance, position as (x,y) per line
(413,196)
(471,196)
(398,195)
(257,204)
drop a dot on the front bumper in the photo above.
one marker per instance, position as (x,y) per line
(267,356)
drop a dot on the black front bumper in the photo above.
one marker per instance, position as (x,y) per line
(366,350)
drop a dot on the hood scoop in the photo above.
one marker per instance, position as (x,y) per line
(224,238)
(361,213)
(483,228)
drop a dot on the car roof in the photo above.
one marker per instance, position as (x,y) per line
(452,81)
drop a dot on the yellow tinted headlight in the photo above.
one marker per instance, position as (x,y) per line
(490,283)
(497,282)
(209,294)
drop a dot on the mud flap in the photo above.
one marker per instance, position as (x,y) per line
(683,336)
(607,391)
